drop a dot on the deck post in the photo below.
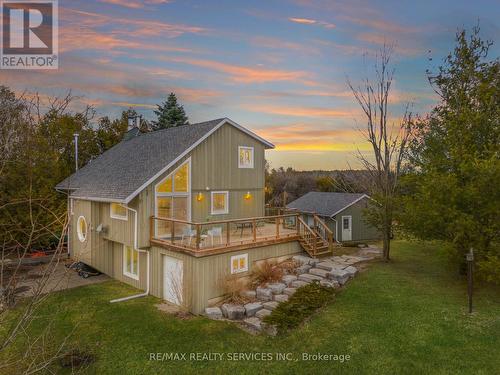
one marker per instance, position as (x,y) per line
(228,233)
(277,227)
(198,236)
(254,230)
(172,235)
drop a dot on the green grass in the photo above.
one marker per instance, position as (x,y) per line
(406,317)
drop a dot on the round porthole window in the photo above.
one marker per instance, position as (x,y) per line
(81,229)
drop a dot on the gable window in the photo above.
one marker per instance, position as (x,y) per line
(131,262)
(118,211)
(173,199)
(81,229)
(220,202)
(245,157)
(239,263)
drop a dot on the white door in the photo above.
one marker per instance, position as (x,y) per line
(346,228)
(172,280)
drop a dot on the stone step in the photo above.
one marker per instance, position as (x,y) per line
(308,278)
(213,313)
(287,279)
(281,298)
(253,323)
(264,294)
(318,272)
(341,276)
(276,288)
(298,284)
(329,265)
(252,307)
(289,291)
(232,311)
(329,283)
(261,314)
(271,305)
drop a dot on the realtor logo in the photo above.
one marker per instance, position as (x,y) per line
(29,34)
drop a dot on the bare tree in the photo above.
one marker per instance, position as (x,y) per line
(389,143)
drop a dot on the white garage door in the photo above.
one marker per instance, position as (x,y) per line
(172,280)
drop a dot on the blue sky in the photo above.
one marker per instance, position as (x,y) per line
(276,67)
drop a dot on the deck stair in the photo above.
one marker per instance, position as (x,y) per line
(317,240)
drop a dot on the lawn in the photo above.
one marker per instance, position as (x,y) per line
(406,317)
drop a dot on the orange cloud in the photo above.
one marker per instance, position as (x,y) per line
(308,21)
(299,111)
(243,74)
(134,4)
(310,137)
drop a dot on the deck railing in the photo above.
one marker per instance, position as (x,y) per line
(223,234)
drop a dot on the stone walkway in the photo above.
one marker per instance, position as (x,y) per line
(332,272)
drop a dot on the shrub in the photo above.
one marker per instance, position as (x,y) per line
(300,306)
(289,267)
(233,288)
(267,271)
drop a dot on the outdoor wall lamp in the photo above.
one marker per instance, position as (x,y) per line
(248,195)
(199,197)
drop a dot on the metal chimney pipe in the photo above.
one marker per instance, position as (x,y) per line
(76,150)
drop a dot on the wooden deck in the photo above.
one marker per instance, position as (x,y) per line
(201,239)
(216,237)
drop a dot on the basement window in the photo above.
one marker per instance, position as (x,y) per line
(239,263)
(131,262)
(118,211)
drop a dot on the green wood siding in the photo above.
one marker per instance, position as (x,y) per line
(361,231)
(203,276)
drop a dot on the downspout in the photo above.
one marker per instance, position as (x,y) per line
(336,230)
(147,261)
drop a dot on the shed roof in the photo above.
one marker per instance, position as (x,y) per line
(324,203)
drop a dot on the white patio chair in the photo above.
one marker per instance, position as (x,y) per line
(188,232)
(215,232)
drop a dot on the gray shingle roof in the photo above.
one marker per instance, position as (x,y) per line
(120,171)
(324,204)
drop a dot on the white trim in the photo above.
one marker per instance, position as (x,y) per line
(81,237)
(188,150)
(173,194)
(71,207)
(350,204)
(115,216)
(97,199)
(238,269)
(125,272)
(242,166)
(226,210)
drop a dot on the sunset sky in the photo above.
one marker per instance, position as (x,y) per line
(276,67)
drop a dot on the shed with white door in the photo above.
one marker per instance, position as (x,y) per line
(344,213)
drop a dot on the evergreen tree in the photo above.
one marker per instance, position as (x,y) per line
(170,114)
(453,194)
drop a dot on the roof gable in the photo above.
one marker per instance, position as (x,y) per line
(123,171)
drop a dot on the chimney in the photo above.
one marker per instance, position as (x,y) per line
(133,122)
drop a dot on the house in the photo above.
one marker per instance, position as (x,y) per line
(178,211)
(343,213)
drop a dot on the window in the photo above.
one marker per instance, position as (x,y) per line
(131,262)
(118,211)
(245,157)
(346,222)
(81,229)
(220,202)
(173,199)
(239,263)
